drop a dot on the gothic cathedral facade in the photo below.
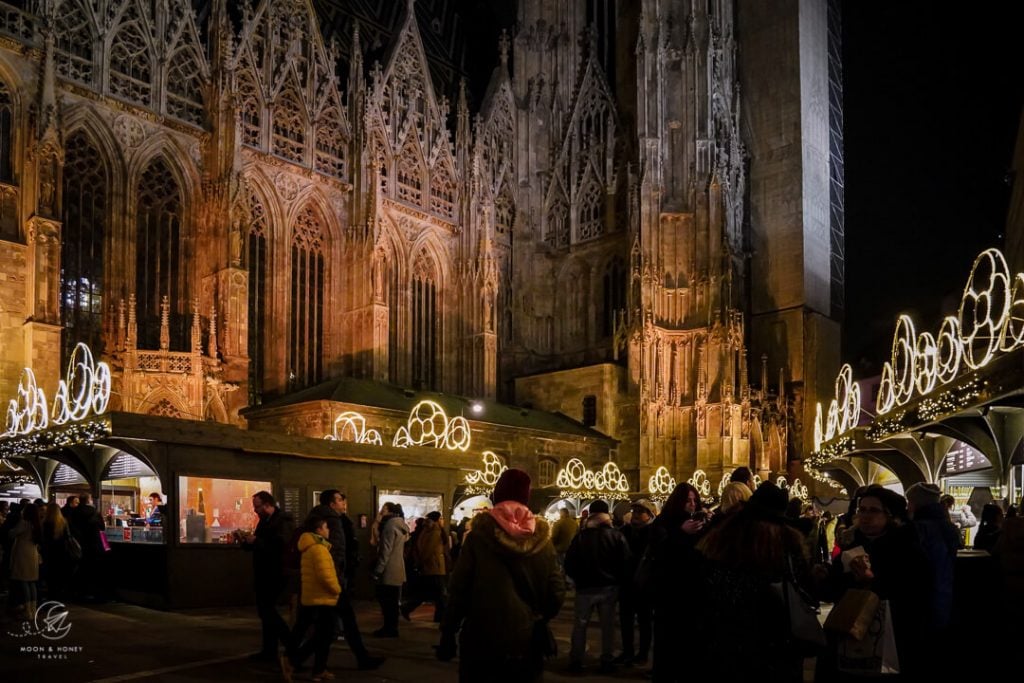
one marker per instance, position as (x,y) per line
(223,216)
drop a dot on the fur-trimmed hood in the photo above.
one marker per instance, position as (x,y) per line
(486,529)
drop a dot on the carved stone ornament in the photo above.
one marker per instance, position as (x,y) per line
(287,186)
(129,131)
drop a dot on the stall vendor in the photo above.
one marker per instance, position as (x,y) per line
(158,511)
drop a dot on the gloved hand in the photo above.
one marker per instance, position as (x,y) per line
(446,649)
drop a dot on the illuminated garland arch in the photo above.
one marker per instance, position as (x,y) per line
(700,481)
(85,389)
(989,321)
(661,482)
(429,425)
(576,479)
(351,426)
(488,476)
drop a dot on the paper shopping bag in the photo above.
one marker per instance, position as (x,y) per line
(873,654)
(852,615)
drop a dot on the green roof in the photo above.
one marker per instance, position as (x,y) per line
(389,396)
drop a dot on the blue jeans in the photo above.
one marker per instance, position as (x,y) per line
(586,600)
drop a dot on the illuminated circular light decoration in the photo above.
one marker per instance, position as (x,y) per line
(984,308)
(843,411)
(576,479)
(27,413)
(351,426)
(85,389)
(700,481)
(990,320)
(725,482)
(488,476)
(661,483)
(429,425)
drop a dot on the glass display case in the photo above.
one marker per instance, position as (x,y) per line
(210,509)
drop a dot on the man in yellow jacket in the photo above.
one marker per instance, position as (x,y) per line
(320,591)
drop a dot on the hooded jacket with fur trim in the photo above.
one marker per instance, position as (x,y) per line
(496,622)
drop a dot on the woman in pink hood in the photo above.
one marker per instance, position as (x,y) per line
(504,589)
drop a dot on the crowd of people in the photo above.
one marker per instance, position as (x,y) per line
(51,552)
(697,583)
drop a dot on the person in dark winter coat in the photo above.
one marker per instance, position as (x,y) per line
(598,563)
(746,629)
(332,508)
(674,580)
(633,605)
(87,526)
(940,540)
(504,589)
(894,566)
(268,544)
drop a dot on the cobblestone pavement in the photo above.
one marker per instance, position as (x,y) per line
(117,642)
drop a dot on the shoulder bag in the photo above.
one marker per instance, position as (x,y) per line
(805,632)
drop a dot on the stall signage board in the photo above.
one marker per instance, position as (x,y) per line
(964,458)
(126,533)
(291,500)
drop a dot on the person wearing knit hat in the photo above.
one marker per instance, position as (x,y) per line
(505,587)
(512,485)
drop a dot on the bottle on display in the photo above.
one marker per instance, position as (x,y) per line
(201,506)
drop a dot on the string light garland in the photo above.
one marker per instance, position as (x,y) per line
(843,411)
(429,425)
(85,389)
(481,482)
(51,439)
(576,481)
(351,426)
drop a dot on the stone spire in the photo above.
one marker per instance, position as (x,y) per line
(165,323)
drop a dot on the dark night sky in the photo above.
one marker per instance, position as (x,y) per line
(932,101)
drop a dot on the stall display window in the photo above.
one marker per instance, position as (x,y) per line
(128,510)
(414,505)
(211,509)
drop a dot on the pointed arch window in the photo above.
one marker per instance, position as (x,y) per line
(73,55)
(442,193)
(81,251)
(256,260)
(6,134)
(410,177)
(250,109)
(289,137)
(557,234)
(159,257)
(382,168)
(130,63)
(184,88)
(306,324)
(330,146)
(425,323)
(591,213)
(504,211)
(614,290)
